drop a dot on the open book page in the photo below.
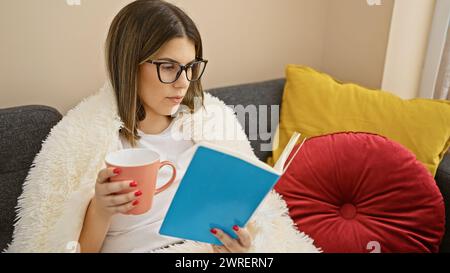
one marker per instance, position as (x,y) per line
(279,165)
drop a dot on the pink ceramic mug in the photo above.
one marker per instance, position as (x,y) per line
(142,166)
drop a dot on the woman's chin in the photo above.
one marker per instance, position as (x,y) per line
(173,110)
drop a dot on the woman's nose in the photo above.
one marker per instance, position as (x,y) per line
(182,81)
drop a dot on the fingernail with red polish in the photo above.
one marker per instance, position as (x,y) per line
(117,171)
(213,231)
(138,193)
(235,227)
(135,202)
(133,184)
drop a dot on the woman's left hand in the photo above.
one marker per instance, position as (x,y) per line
(240,245)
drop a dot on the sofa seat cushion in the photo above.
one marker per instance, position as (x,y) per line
(358,192)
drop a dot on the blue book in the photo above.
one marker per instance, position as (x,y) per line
(220,189)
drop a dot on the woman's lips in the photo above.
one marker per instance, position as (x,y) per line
(175,100)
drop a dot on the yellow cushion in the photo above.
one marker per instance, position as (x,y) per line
(316,104)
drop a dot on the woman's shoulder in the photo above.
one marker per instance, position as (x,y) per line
(93,119)
(211,100)
(216,107)
(102,103)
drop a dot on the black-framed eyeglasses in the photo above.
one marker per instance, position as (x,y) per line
(169,72)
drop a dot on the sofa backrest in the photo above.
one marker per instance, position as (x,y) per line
(22,130)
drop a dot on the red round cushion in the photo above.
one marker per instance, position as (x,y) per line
(358,192)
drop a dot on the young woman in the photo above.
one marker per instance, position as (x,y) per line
(153,96)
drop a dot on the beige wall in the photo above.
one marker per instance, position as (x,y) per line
(356,36)
(52,53)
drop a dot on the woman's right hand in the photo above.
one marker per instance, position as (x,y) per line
(107,201)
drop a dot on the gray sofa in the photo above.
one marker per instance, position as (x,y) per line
(23,128)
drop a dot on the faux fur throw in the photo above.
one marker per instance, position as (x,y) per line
(61,181)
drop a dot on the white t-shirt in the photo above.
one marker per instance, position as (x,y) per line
(139,233)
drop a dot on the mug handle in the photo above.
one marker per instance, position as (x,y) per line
(174,175)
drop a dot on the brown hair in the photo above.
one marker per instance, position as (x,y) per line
(137,32)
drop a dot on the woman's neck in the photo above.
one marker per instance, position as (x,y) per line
(154,124)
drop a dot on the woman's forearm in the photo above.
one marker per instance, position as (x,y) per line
(94,229)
